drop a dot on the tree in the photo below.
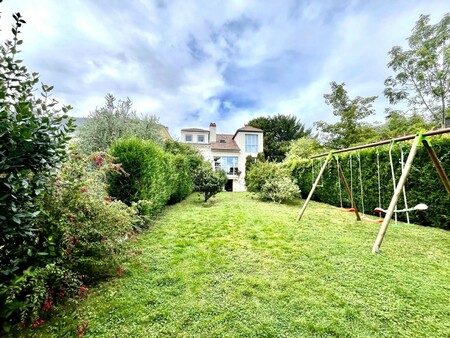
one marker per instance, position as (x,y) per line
(208,182)
(279,130)
(178,148)
(116,120)
(350,129)
(398,124)
(423,71)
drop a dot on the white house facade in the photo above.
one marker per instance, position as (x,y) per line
(226,151)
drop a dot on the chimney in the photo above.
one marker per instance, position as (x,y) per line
(212,132)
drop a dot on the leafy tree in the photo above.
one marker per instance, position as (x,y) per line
(423,71)
(279,130)
(207,181)
(178,148)
(398,124)
(350,129)
(113,121)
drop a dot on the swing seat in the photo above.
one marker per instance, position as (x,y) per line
(367,219)
(418,207)
(347,210)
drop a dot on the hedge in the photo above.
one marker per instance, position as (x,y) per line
(152,174)
(423,184)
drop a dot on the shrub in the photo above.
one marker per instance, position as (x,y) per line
(208,182)
(78,238)
(152,174)
(279,189)
(262,172)
(177,148)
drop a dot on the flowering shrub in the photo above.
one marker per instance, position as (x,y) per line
(78,238)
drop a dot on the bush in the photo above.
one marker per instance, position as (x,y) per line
(279,189)
(152,175)
(271,181)
(423,184)
(208,182)
(78,238)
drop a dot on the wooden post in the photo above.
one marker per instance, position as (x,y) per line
(347,188)
(316,183)
(397,192)
(437,165)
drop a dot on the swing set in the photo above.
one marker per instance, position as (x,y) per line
(399,187)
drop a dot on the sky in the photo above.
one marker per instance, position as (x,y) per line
(194,62)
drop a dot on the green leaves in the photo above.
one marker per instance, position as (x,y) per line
(422,72)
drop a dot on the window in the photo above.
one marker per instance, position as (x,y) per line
(200,138)
(251,143)
(188,138)
(229,164)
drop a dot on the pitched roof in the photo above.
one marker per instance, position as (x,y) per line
(195,130)
(249,129)
(227,143)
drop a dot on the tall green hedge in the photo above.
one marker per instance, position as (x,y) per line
(423,184)
(152,174)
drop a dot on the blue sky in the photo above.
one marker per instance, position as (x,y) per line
(195,62)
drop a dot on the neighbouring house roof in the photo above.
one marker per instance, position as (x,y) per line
(250,129)
(225,142)
(165,132)
(195,130)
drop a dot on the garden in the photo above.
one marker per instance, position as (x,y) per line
(110,230)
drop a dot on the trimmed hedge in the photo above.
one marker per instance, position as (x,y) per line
(152,174)
(423,184)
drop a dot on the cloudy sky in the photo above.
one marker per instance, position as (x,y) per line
(195,62)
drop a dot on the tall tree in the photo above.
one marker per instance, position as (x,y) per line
(423,71)
(279,131)
(114,120)
(350,129)
(399,124)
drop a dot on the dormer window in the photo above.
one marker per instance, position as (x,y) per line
(188,138)
(200,138)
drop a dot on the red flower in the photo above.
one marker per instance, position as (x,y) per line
(83,289)
(69,251)
(37,322)
(47,305)
(84,189)
(71,219)
(107,199)
(61,294)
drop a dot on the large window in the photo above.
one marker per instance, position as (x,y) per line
(228,163)
(188,138)
(251,143)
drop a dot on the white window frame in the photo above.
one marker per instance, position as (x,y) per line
(188,136)
(251,143)
(202,137)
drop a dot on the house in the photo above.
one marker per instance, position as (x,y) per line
(226,151)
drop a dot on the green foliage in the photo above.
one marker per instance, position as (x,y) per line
(208,182)
(149,173)
(422,186)
(422,72)
(152,175)
(178,148)
(78,236)
(280,189)
(271,181)
(398,124)
(302,149)
(350,130)
(32,142)
(113,121)
(279,130)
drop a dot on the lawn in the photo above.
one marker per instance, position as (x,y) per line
(238,267)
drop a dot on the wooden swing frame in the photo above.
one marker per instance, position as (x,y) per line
(421,138)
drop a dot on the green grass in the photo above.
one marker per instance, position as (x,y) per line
(243,268)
